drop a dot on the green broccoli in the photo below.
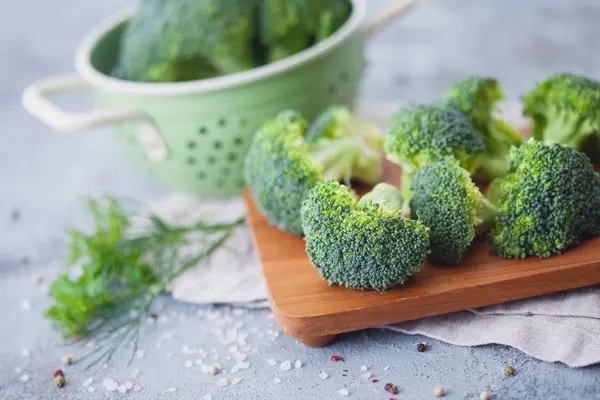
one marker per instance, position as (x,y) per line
(188,39)
(288,27)
(447,201)
(549,202)
(477,96)
(419,135)
(282,166)
(565,108)
(361,246)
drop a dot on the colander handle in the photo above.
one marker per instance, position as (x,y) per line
(35,101)
(399,8)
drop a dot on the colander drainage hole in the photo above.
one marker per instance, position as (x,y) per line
(238,141)
(191,144)
(191,160)
(332,90)
(243,123)
(232,157)
(344,76)
(221,122)
(217,144)
(201,175)
(219,183)
(211,160)
(225,171)
(203,130)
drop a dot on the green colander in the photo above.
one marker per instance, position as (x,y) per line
(192,136)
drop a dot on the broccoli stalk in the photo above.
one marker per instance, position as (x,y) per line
(286,160)
(565,109)
(365,244)
(383,194)
(476,97)
(419,135)
(549,202)
(447,201)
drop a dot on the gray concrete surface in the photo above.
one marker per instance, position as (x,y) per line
(42,174)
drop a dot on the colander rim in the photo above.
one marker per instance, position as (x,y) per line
(105,82)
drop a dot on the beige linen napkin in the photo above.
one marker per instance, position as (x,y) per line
(562,327)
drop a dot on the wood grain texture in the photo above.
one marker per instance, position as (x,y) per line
(308,308)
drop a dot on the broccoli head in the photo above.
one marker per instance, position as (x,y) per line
(447,201)
(419,135)
(565,108)
(282,166)
(366,245)
(288,27)
(187,39)
(477,96)
(550,201)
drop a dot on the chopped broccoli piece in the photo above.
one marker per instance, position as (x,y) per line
(336,127)
(281,166)
(447,201)
(477,96)
(188,39)
(419,135)
(565,108)
(288,27)
(549,202)
(361,246)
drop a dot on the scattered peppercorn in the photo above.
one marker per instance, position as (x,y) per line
(336,358)
(439,391)
(57,373)
(374,380)
(485,396)
(76,338)
(15,215)
(59,380)
(509,371)
(153,315)
(67,360)
(421,347)
(390,388)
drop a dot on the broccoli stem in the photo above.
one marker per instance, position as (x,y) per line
(336,158)
(406,188)
(383,193)
(509,134)
(486,215)
(567,129)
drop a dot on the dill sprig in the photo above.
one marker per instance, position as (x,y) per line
(123,274)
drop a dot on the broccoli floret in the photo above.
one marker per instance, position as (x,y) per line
(477,96)
(361,246)
(447,201)
(281,166)
(550,201)
(188,39)
(565,108)
(288,27)
(419,135)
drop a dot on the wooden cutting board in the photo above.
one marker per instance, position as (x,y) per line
(307,308)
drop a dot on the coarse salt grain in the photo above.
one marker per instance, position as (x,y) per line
(137,388)
(129,385)
(364,368)
(323,375)
(24,378)
(235,369)
(343,392)
(171,390)
(91,389)
(122,389)
(25,352)
(18,370)
(188,363)
(271,361)
(26,305)
(298,364)
(110,385)
(140,354)
(276,380)
(235,381)
(207,397)
(366,375)
(222,382)
(286,365)
(386,367)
